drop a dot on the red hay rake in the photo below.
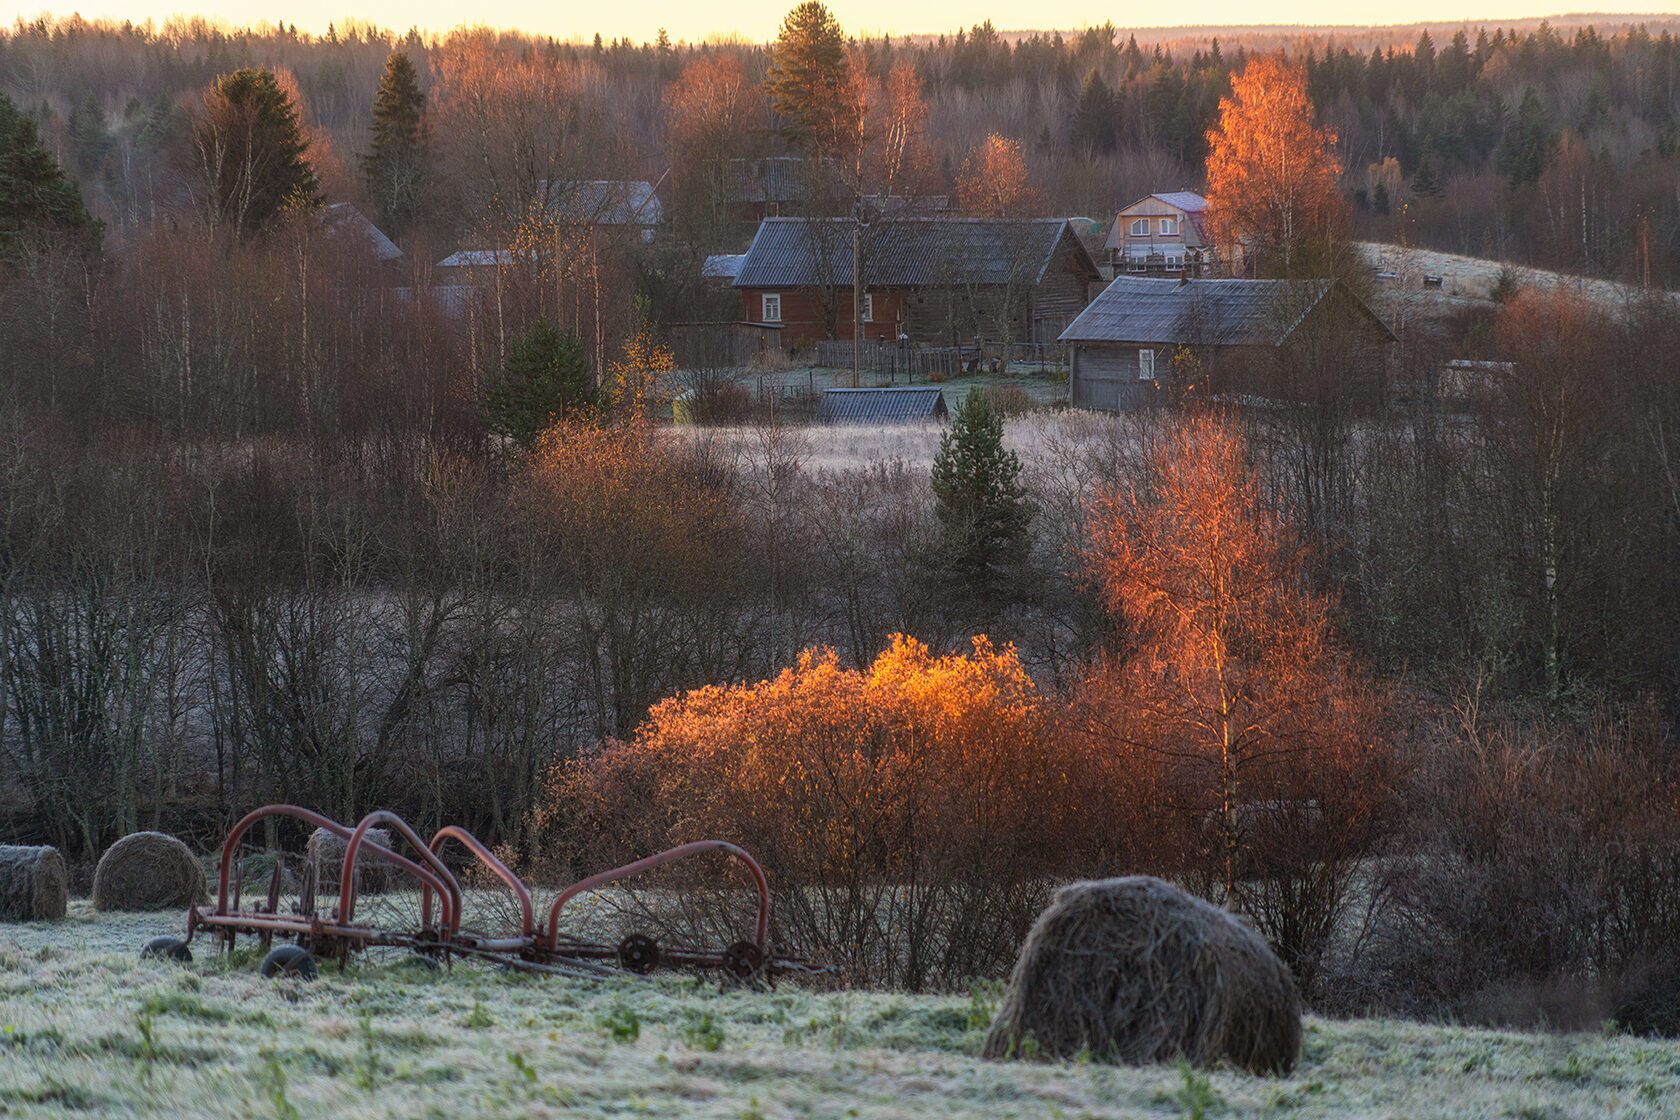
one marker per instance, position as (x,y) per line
(440,935)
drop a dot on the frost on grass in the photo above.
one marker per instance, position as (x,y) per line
(88,1029)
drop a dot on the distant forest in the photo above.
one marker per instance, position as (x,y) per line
(1556,148)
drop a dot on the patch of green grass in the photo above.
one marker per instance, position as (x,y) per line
(620,1023)
(701,1031)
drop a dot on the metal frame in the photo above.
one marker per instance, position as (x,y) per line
(538,948)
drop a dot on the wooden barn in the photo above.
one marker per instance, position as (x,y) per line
(937,281)
(1143,339)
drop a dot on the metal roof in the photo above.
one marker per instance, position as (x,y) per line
(613,202)
(905,252)
(341,218)
(603,202)
(1203,312)
(903,404)
(1188,201)
(722,266)
(479,258)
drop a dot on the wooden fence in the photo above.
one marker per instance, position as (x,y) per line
(912,363)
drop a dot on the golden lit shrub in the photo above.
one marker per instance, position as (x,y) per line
(912,815)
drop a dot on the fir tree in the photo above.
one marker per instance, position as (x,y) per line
(394,167)
(983,512)
(546,379)
(35,194)
(250,150)
(1425,184)
(1092,129)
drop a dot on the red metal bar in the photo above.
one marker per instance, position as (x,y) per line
(309,816)
(445,878)
(528,923)
(653,861)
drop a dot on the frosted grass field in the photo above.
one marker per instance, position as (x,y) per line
(88,1029)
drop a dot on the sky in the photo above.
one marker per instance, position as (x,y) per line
(758,20)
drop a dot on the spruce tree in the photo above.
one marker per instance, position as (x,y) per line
(545,380)
(1425,184)
(35,194)
(394,167)
(983,512)
(1092,129)
(250,151)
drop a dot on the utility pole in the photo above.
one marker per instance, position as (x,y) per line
(857,296)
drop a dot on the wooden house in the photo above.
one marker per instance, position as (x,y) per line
(1163,235)
(1141,340)
(936,281)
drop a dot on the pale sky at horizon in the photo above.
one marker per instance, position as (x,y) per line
(758,20)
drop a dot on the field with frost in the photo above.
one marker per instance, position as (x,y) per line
(88,1029)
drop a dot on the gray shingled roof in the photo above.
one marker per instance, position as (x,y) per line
(1202,312)
(902,404)
(904,253)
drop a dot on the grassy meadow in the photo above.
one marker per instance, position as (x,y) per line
(88,1029)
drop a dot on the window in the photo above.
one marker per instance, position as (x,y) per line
(1169,226)
(1146,365)
(1140,228)
(869,307)
(772,309)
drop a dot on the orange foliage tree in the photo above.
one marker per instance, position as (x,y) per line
(993,181)
(1231,674)
(1271,172)
(911,815)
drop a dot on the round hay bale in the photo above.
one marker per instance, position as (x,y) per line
(148,871)
(1135,970)
(34,884)
(326,855)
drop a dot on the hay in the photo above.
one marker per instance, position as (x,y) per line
(148,871)
(34,884)
(1135,970)
(326,856)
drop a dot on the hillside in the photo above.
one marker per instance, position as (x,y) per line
(88,1029)
(1471,280)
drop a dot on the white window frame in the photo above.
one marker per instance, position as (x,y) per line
(1146,365)
(1169,227)
(1140,227)
(868,307)
(772,307)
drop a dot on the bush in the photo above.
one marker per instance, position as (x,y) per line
(912,817)
(1539,873)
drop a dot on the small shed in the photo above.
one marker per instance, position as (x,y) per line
(901,404)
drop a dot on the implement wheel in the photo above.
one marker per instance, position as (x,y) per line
(291,961)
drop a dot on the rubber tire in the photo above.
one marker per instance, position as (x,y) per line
(290,961)
(170,948)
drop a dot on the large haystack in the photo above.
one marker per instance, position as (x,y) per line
(1135,970)
(326,858)
(34,884)
(148,871)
